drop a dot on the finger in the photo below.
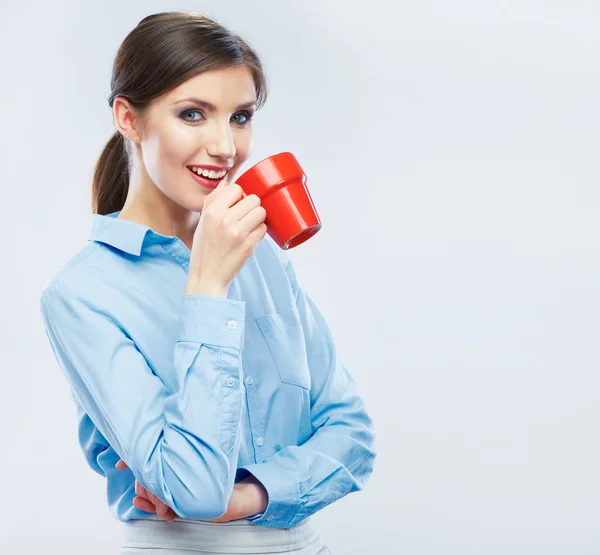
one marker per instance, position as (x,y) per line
(221,185)
(121,464)
(154,499)
(244,207)
(252,220)
(141,491)
(163,512)
(257,234)
(169,514)
(227,196)
(144,505)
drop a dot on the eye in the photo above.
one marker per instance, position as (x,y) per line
(185,112)
(241,118)
(245,118)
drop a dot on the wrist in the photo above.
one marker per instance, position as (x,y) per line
(257,495)
(197,286)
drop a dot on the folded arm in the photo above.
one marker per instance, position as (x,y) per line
(339,457)
(160,434)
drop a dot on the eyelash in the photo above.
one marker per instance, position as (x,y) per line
(248,116)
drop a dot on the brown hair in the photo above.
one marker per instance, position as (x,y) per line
(161,52)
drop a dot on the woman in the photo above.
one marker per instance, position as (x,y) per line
(206,379)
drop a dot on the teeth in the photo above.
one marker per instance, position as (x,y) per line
(211,174)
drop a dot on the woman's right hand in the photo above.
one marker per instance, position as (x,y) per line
(228,232)
(146,501)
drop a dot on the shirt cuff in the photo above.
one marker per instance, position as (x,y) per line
(283,495)
(212,320)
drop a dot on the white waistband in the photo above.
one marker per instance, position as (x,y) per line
(217,537)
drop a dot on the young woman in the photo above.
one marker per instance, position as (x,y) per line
(206,379)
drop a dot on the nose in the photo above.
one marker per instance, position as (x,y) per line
(220,144)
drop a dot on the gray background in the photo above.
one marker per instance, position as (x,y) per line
(452,152)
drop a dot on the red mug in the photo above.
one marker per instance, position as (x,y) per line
(280,183)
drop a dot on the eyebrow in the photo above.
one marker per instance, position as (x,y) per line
(210,106)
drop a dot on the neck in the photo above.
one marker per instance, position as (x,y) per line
(160,214)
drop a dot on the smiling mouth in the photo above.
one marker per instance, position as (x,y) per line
(208,174)
(209,183)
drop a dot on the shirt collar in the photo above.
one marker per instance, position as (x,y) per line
(124,235)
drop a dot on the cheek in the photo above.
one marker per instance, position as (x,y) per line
(243,145)
(177,144)
(165,155)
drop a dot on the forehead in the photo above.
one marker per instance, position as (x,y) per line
(225,88)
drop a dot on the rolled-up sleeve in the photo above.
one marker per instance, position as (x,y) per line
(339,456)
(181,444)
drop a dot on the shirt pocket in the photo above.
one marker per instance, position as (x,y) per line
(285,339)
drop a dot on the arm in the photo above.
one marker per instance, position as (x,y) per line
(248,498)
(338,458)
(161,434)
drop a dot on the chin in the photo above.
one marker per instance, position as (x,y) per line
(194,206)
(190,202)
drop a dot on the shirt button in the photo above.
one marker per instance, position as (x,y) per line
(259,441)
(232,324)
(230,382)
(249,380)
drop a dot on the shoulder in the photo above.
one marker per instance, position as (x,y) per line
(80,275)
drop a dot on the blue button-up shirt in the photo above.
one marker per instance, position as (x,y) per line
(194,392)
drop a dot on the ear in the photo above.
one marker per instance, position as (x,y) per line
(126,119)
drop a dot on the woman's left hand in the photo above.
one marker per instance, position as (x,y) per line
(248,498)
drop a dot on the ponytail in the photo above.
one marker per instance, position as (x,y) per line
(111,177)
